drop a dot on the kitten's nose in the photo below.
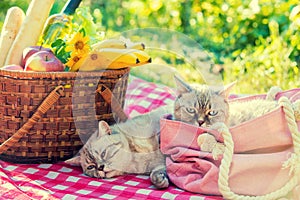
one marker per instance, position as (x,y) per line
(200,122)
(101,167)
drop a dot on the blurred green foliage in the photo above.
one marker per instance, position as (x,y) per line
(256,42)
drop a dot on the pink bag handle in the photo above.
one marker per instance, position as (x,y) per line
(291,114)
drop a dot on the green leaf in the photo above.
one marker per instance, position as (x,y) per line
(57,43)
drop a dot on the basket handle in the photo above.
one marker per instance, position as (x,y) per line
(41,110)
(108,96)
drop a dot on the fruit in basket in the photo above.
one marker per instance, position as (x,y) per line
(28,51)
(136,45)
(44,61)
(13,67)
(109,43)
(111,58)
(13,21)
(101,59)
(142,56)
(119,55)
(30,30)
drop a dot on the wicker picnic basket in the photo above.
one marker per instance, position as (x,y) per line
(46,116)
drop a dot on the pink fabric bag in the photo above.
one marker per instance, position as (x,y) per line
(261,158)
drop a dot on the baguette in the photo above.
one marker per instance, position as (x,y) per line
(11,26)
(31,29)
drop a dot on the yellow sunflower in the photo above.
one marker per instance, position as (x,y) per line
(72,60)
(78,44)
(75,61)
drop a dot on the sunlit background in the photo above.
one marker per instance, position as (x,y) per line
(255,42)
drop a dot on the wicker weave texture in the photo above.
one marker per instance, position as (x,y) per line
(58,134)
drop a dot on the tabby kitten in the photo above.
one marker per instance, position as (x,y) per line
(204,106)
(128,147)
(201,105)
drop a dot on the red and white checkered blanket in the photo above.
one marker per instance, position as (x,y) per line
(62,181)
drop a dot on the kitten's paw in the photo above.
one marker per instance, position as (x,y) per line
(159,178)
(208,143)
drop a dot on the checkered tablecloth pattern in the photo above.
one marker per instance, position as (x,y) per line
(142,96)
(62,181)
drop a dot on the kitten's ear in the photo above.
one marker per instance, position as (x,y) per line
(75,161)
(104,129)
(226,90)
(182,87)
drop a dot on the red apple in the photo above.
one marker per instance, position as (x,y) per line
(44,61)
(13,67)
(28,51)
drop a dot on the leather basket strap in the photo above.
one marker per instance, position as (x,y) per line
(108,96)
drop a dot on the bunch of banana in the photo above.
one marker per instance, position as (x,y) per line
(118,44)
(109,43)
(113,54)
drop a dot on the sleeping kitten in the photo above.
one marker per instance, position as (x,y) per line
(128,147)
(133,146)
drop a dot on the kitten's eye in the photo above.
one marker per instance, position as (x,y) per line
(90,167)
(212,112)
(191,110)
